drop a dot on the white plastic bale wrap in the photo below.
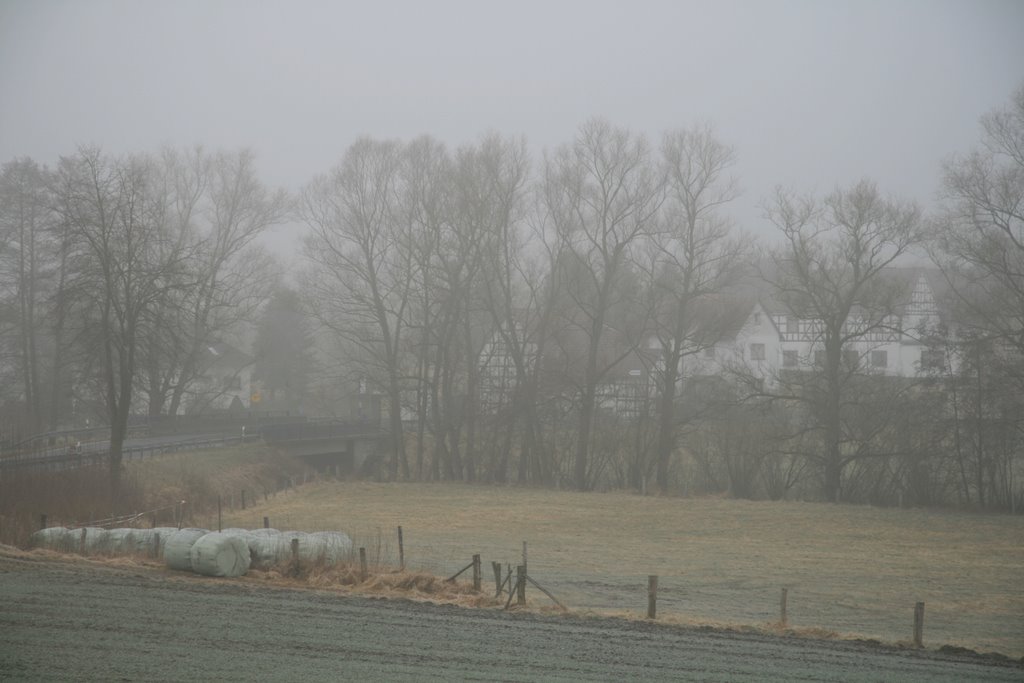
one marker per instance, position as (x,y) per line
(235,531)
(267,549)
(220,554)
(120,541)
(178,548)
(50,538)
(97,540)
(164,533)
(330,547)
(306,553)
(140,542)
(264,532)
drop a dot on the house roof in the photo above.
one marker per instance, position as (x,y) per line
(222,354)
(902,279)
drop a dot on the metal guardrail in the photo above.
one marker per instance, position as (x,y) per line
(72,460)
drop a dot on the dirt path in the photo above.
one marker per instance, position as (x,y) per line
(83,621)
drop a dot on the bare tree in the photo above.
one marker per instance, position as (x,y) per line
(694,258)
(424,214)
(603,194)
(980,233)
(26,256)
(828,273)
(232,276)
(120,216)
(361,282)
(978,240)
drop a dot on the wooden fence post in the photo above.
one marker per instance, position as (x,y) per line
(524,557)
(156,545)
(652,596)
(295,555)
(919,625)
(219,521)
(81,544)
(521,584)
(476,573)
(362,564)
(783,618)
(42,521)
(266,522)
(401,550)
(496,566)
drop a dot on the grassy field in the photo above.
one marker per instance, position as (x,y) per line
(854,571)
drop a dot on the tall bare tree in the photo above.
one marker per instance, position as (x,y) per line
(603,194)
(694,258)
(981,230)
(120,217)
(26,255)
(488,198)
(232,276)
(828,272)
(361,281)
(979,243)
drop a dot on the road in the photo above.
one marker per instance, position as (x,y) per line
(75,620)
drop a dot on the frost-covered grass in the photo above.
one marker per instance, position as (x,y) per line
(848,569)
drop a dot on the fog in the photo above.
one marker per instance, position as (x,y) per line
(811,95)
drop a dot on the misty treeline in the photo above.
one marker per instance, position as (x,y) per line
(504,308)
(117,274)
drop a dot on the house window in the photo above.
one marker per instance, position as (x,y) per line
(757,352)
(851,358)
(879,359)
(789,358)
(757,318)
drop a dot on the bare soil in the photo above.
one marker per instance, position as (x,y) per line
(74,619)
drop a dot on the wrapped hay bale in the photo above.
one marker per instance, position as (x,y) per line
(220,554)
(309,548)
(97,540)
(264,532)
(266,550)
(235,531)
(141,542)
(178,547)
(330,547)
(120,541)
(163,533)
(50,538)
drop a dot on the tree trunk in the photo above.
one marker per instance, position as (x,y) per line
(667,415)
(587,401)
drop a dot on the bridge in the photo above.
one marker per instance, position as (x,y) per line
(351,445)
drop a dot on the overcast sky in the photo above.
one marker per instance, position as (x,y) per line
(811,94)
